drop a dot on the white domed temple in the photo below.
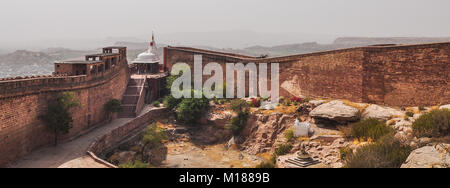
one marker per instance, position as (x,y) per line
(147,81)
(148,62)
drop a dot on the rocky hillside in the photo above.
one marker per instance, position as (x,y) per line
(23,62)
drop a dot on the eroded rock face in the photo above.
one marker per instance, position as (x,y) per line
(380,113)
(123,157)
(429,157)
(262,132)
(335,111)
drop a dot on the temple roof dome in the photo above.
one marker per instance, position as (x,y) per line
(149,56)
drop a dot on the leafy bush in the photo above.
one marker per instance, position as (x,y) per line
(112,106)
(266,164)
(409,114)
(151,137)
(421,108)
(238,123)
(135,164)
(156,103)
(385,153)
(171,102)
(370,128)
(289,134)
(242,109)
(239,106)
(283,149)
(191,109)
(287,102)
(344,152)
(433,124)
(256,103)
(296,99)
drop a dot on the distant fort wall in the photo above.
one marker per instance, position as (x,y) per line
(23,101)
(393,75)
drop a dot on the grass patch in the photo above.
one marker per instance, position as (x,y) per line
(369,129)
(135,164)
(283,149)
(409,114)
(289,134)
(385,153)
(433,124)
(156,104)
(361,107)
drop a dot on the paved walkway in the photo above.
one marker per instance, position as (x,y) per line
(70,154)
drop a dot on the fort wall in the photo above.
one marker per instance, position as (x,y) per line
(23,101)
(410,75)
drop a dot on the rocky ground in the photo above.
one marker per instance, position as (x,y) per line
(210,144)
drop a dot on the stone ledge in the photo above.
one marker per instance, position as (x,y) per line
(110,140)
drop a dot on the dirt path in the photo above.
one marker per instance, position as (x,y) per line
(70,154)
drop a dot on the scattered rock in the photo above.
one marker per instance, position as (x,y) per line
(125,157)
(424,141)
(429,157)
(305,108)
(380,113)
(231,144)
(336,111)
(181,130)
(316,102)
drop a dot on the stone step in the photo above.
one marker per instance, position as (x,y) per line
(133,90)
(136,82)
(130,99)
(302,162)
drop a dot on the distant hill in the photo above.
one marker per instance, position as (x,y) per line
(364,41)
(23,62)
(339,43)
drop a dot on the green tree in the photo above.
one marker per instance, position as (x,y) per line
(58,118)
(238,122)
(152,136)
(192,109)
(111,107)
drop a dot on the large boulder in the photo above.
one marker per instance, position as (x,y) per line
(429,157)
(337,111)
(445,107)
(380,113)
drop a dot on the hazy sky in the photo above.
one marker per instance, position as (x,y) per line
(26,20)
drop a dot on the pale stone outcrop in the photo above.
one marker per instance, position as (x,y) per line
(445,107)
(429,157)
(380,113)
(263,133)
(337,111)
(316,102)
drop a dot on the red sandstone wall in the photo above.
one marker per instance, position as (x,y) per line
(408,75)
(397,76)
(23,101)
(334,74)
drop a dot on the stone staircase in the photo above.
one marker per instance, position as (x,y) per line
(302,163)
(131,98)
